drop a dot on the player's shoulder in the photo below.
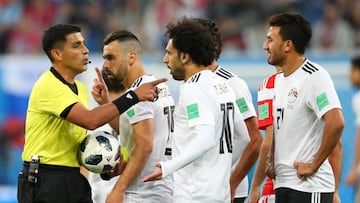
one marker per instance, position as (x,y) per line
(311,69)
(269,82)
(202,77)
(314,73)
(224,73)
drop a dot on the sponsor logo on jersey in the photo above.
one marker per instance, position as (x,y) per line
(241,103)
(131,113)
(192,111)
(322,101)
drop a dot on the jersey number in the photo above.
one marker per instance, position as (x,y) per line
(228,124)
(279,117)
(169,113)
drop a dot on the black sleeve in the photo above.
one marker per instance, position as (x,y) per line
(66,111)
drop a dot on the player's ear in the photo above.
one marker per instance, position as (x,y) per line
(184,57)
(132,57)
(288,45)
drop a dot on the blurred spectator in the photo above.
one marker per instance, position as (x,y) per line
(13,130)
(355,24)
(41,13)
(24,38)
(11,144)
(10,13)
(94,26)
(22,21)
(331,33)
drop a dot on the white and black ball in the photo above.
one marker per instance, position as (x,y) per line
(99,151)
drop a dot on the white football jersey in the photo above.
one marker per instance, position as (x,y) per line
(247,110)
(202,162)
(301,99)
(161,111)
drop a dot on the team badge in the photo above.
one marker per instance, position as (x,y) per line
(293,94)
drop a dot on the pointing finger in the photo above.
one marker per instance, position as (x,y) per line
(99,75)
(156,82)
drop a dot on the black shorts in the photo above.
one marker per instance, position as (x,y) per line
(287,195)
(239,199)
(56,184)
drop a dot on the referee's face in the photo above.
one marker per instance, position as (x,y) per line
(173,62)
(74,54)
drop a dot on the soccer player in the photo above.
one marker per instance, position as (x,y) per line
(207,122)
(353,176)
(145,129)
(265,122)
(308,119)
(243,164)
(57,120)
(101,188)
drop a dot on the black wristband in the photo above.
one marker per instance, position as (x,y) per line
(105,176)
(126,101)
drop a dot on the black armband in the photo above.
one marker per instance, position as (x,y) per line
(126,101)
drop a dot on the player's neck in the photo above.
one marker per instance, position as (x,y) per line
(192,70)
(134,73)
(292,64)
(213,66)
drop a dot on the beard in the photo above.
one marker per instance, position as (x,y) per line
(275,61)
(177,73)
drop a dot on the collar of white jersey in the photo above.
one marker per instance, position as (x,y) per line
(196,76)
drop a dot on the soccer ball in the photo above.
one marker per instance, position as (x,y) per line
(99,151)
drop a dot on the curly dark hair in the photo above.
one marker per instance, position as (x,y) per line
(55,37)
(215,32)
(293,27)
(190,36)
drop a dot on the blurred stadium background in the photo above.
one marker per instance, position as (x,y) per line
(336,38)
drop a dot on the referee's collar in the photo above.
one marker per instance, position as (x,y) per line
(73,87)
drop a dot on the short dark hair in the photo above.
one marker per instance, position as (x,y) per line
(122,36)
(293,27)
(355,62)
(55,37)
(190,36)
(215,32)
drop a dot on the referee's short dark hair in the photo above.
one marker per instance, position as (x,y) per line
(55,37)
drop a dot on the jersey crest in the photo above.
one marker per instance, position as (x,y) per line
(292,95)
